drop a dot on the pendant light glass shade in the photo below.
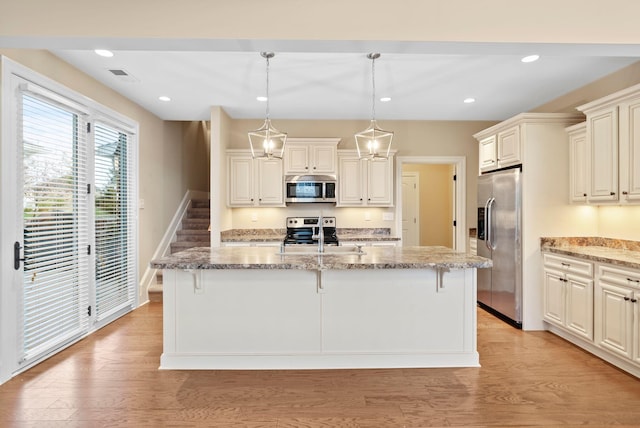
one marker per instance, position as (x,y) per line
(373,142)
(267,141)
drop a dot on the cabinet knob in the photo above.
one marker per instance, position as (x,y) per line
(360,198)
(634,300)
(613,193)
(306,167)
(624,192)
(314,167)
(584,194)
(626,299)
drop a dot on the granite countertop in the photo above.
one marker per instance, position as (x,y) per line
(604,250)
(269,258)
(277,235)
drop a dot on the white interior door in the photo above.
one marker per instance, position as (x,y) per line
(410,209)
(53,215)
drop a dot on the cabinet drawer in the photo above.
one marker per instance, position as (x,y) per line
(568,265)
(617,276)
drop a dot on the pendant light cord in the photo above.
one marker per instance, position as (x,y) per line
(267,87)
(373,93)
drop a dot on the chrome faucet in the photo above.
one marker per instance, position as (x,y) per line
(320,235)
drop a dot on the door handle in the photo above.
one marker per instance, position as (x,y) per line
(16,255)
(488,223)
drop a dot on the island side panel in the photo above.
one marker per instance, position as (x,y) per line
(249,311)
(401,311)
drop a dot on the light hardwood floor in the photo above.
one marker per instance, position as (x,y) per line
(111,379)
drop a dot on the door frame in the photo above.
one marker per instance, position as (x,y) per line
(459,213)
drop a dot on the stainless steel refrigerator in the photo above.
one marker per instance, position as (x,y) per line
(500,239)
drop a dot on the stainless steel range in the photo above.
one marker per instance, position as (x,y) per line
(304,230)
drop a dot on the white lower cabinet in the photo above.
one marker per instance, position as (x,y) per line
(568,294)
(617,313)
(595,306)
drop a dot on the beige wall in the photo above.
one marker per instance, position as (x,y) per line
(436,202)
(550,21)
(166,169)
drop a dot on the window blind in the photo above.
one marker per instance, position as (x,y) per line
(55,225)
(115,232)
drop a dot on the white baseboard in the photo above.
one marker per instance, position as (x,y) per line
(163,248)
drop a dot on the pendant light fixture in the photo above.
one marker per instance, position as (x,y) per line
(373,142)
(267,141)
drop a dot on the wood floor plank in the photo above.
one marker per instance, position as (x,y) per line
(111,379)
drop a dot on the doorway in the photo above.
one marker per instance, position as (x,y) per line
(440,212)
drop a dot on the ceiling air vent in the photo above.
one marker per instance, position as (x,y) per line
(123,75)
(119,72)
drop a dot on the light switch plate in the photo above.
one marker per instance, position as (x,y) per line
(254,217)
(141,204)
(387,216)
(367,216)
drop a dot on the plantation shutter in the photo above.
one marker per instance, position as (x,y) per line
(115,220)
(55,223)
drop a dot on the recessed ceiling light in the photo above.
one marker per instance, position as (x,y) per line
(385,99)
(469,100)
(530,58)
(103,52)
(261,99)
(164,98)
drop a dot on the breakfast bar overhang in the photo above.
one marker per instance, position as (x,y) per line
(257,308)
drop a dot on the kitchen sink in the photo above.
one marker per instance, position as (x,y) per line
(312,250)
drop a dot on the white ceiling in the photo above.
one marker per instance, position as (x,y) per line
(333,81)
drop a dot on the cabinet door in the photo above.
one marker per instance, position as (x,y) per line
(240,181)
(602,132)
(554,297)
(509,148)
(630,151)
(324,159)
(350,191)
(488,154)
(636,326)
(379,182)
(579,315)
(296,159)
(614,318)
(270,182)
(579,166)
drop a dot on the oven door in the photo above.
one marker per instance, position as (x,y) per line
(304,191)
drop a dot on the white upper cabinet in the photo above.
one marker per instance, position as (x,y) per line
(488,153)
(509,147)
(364,182)
(505,144)
(254,182)
(629,134)
(500,150)
(578,162)
(311,156)
(613,138)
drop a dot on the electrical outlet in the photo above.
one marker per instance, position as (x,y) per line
(367,216)
(254,217)
(387,216)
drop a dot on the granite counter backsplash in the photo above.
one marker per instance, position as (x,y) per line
(277,235)
(605,250)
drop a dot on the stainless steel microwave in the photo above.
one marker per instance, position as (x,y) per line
(310,188)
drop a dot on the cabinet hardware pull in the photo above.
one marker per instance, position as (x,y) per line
(565,264)
(624,192)
(626,299)
(634,300)
(633,280)
(613,193)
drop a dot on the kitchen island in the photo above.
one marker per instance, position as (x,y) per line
(256,308)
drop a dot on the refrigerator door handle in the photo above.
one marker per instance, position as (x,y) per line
(488,224)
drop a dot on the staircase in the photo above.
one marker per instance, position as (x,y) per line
(193,233)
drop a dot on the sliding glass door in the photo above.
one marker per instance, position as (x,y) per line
(75,253)
(54,214)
